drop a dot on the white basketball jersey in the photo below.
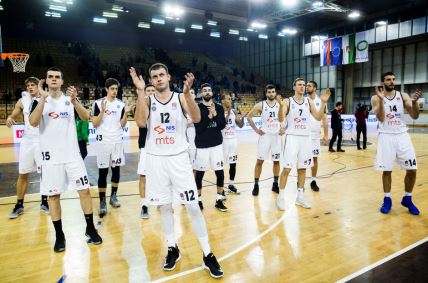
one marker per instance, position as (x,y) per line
(58,137)
(270,122)
(110,130)
(315,124)
(394,115)
(191,133)
(229,132)
(30,133)
(298,120)
(166,126)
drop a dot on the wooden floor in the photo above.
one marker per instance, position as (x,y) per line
(342,233)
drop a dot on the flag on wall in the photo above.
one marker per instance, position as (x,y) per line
(331,52)
(362,47)
(348,48)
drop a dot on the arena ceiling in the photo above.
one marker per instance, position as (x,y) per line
(228,14)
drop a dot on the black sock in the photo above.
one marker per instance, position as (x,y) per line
(275,179)
(20,203)
(45,200)
(256,181)
(102,196)
(58,228)
(113,190)
(90,222)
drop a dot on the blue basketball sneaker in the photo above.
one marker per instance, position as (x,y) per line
(407,202)
(386,206)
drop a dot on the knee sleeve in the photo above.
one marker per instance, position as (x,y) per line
(220,178)
(198,179)
(115,174)
(232,171)
(193,209)
(102,177)
(166,208)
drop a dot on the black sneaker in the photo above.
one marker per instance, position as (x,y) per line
(171,258)
(233,189)
(314,186)
(211,263)
(275,188)
(256,190)
(220,205)
(59,244)
(201,205)
(94,237)
(331,150)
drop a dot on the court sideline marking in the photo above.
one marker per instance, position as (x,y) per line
(382,261)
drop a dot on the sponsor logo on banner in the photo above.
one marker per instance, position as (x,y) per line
(19,134)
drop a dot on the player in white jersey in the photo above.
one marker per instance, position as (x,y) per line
(191,133)
(311,91)
(62,165)
(110,116)
(394,143)
(149,90)
(230,141)
(29,150)
(169,172)
(298,143)
(269,135)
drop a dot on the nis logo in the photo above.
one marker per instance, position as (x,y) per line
(62,115)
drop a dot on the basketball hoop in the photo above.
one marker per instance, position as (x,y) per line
(18,60)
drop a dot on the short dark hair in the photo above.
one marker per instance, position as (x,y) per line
(223,97)
(148,85)
(296,80)
(205,85)
(269,86)
(157,66)
(55,69)
(31,80)
(339,103)
(387,74)
(313,83)
(111,81)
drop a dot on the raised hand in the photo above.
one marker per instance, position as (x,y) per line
(10,122)
(379,92)
(103,105)
(72,92)
(212,111)
(187,85)
(137,80)
(324,97)
(416,95)
(279,99)
(43,93)
(127,108)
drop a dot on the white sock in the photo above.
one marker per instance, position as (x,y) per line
(299,192)
(199,226)
(282,193)
(313,179)
(168,224)
(143,201)
(407,194)
(388,195)
(231,182)
(219,197)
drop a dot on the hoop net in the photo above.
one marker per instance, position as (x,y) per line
(18,60)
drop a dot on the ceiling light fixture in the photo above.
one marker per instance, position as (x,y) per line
(143,25)
(354,14)
(196,26)
(258,25)
(99,20)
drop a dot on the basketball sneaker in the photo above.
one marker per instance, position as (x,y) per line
(233,189)
(220,205)
(145,212)
(314,186)
(59,243)
(302,202)
(211,263)
(44,206)
(114,201)
(171,258)
(275,187)
(103,208)
(386,206)
(18,210)
(407,202)
(280,202)
(256,190)
(93,237)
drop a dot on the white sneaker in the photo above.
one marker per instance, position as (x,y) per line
(302,202)
(280,202)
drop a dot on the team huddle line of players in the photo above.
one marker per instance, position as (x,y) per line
(169,167)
